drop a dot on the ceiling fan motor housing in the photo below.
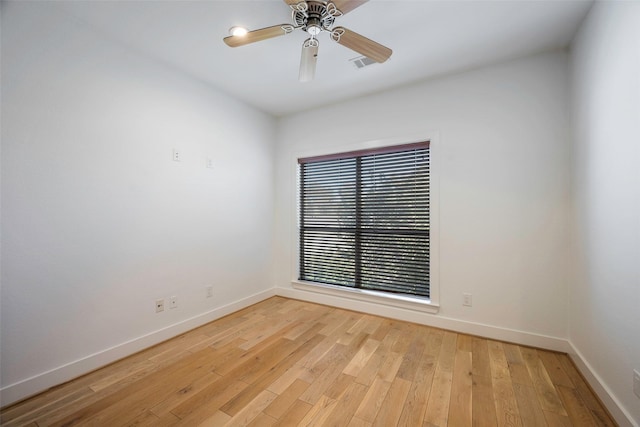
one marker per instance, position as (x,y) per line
(313,18)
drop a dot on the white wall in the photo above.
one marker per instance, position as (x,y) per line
(604,315)
(503,151)
(97,220)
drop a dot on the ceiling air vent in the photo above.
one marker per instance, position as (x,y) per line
(362,61)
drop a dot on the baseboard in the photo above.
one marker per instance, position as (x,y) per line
(38,383)
(617,411)
(437,321)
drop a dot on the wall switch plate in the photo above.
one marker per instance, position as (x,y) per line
(209,291)
(173,302)
(636,383)
(159,305)
(466,300)
(177,155)
(209,163)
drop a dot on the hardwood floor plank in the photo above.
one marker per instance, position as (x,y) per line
(412,355)
(219,418)
(416,403)
(347,405)
(252,409)
(460,407)
(42,405)
(262,420)
(547,393)
(333,363)
(121,374)
(557,420)
(481,366)
(339,386)
(529,408)
(517,367)
(578,413)
(372,401)
(465,342)
(597,410)
(204,404)
(294,414)
(319,412)
(484,408)
(183,394)
(142,395)
(440,396)
(270,372)
(361,358)
(391,409)
(370,370)
(505,400)
(293,374)
(554,369)
(287,398)
(358,422)
(383,329)
(286,362)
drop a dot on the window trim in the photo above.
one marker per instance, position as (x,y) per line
(422,304)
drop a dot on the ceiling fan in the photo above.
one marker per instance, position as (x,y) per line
(314,17)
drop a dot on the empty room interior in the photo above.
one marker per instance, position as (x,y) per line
(320,213)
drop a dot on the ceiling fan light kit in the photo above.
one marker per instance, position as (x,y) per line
(315,17)
(238,31)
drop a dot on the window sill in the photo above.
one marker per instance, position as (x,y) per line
(401,301)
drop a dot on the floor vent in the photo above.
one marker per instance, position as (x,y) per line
(362,61)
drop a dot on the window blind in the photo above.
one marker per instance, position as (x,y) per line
(364,219)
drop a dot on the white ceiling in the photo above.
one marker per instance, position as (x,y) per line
(428,38)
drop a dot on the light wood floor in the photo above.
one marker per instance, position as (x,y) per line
(286,362)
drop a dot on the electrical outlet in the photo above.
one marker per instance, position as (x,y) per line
(636,383)
(173,302)
(209,163)
(159,305)
(209,291)
(466,300)
(177,155)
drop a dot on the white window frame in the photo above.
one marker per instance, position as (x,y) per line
(416,303)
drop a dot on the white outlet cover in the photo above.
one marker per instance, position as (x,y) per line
(467,300)
(173,302)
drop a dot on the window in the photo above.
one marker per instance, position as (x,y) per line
(364,219)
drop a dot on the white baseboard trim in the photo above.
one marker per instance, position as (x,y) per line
(618,412)
(38,383)
(437,321)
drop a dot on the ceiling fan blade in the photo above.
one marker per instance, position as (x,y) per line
(308,60)
(361,44)
(258,35)
(346,6)
(292,2)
